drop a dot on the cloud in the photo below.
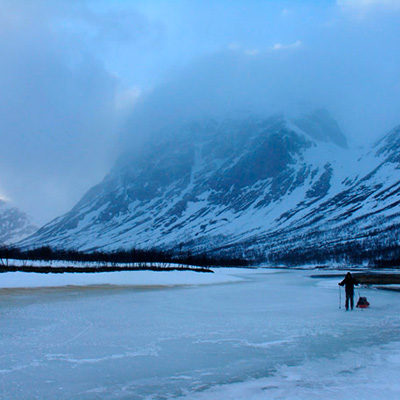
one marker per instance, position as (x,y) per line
(234,84)
(239,48)
(363,7)
(56,112)
(72,71)
(351,70)
(127,99)
(4,198)
(260,51)
(279,46)
(252,52)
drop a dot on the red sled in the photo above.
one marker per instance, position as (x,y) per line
(362,302)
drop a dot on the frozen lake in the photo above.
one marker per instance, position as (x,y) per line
(255,334)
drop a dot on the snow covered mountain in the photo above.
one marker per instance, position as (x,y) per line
(14,224)
(272,186)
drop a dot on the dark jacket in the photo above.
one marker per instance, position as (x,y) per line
(349,283)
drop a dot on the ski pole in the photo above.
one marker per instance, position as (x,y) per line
(340,297)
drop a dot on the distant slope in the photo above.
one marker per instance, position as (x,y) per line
(14,224)
(269,187)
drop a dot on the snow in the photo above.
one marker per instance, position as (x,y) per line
(360,196)
(360,374)
(237,334)
(120,278)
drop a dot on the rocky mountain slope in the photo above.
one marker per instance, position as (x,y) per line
(14,224)
(267,186)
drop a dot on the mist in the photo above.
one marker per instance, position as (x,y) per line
(348,66)
(81,82)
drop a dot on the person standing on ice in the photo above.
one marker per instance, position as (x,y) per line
(349,283)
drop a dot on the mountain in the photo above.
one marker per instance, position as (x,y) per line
(278,187)
(14,224)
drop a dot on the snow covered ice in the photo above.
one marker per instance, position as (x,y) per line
(235,334)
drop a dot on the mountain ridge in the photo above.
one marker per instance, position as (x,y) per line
(246,186)
(14,224)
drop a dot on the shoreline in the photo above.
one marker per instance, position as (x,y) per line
(367,278)
(92,270)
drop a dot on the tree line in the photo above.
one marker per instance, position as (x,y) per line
(47,253)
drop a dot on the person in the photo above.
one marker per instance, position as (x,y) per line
(349,283)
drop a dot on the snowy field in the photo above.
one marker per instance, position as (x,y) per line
(235,334)
(121,278)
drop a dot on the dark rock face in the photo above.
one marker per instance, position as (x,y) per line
(389,146)
(322,127)
(321,187)
(242,186)
(14,224)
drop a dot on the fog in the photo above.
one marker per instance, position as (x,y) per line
(82,81)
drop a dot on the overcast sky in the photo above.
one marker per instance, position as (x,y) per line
(76,77)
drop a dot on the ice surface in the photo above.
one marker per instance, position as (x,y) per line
(261,335)
(120,278)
